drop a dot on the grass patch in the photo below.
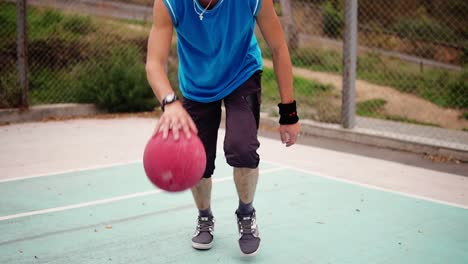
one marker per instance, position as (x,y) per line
(423,27)
(308,89)
(370,108)
(407,120)
(374,108)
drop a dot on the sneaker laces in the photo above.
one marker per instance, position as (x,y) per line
(205,224)
(247,224)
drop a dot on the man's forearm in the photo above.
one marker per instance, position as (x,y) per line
(283,71)
(158,80)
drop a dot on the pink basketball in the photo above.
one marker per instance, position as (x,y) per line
(172,165)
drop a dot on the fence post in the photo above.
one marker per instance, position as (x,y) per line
(290,27)
(348,109)
(22,51)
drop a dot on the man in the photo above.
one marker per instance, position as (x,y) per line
(220,62)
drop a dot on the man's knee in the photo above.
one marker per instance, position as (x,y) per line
(242,154)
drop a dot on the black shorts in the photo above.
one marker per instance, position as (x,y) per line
(242,119)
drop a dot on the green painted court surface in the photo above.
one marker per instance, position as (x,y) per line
(114,215)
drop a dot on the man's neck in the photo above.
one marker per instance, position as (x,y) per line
(205,3)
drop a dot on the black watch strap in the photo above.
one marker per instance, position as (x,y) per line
(168,99)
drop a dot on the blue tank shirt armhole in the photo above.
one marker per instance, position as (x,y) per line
(170,8)
(256,7)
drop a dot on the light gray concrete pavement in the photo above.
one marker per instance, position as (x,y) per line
(44,148)
(436,163)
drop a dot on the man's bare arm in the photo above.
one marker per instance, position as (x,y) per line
(270,26)
(271,29)
(159,43)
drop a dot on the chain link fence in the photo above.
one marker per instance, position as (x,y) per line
(413,57)
(412,78)
(317,91)
(78,52)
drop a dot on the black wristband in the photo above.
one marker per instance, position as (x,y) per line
(288,113)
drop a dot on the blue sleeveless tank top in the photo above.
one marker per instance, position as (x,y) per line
(217,48)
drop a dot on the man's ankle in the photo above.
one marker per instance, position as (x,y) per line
(245,208)
(205,212)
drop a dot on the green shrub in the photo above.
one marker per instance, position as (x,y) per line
(458,90)
(10,93)
(332,19)
(52,85)
(117,83)
(464,54)
(42,23)
(80,25)
(465,115)
(50,17)
(7,21)
(423,28)
(50,22)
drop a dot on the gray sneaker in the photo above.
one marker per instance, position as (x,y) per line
(249,240)
(203,236)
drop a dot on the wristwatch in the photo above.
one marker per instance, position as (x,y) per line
(168,99)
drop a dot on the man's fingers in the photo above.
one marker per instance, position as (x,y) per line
(178,121)
(289,134)
(192,125)
(156,129)
(289,141)
(175,131)
(165,131)
(159,126)
(185,127)
(292,138)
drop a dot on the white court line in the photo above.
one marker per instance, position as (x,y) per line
(282,166)
(419,197)
(70,171)
(109,200)
(80,205)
